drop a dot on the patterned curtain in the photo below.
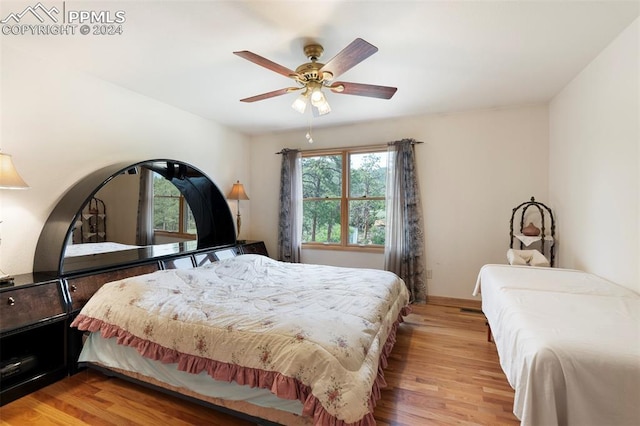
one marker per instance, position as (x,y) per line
(144,231)
(290,227)
(404,236)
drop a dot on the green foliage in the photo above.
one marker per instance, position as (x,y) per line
(166,214)
(162,186)
(366,222)
(322,176)
(367,175)
(321,221)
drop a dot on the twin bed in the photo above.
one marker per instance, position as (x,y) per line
(289,343)
(569,344)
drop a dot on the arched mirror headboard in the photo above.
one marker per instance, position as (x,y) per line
(205,209)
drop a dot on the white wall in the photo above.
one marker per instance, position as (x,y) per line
(60,125)
(594,162)
(121,197)
(474,167)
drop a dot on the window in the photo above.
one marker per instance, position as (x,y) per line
(344,198)
(171,213)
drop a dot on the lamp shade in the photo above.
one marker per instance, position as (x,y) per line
(9,177)
(237,192)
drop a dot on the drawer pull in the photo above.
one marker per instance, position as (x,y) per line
(74,288)
(11,301)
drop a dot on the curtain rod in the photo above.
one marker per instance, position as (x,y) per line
(364,147)
(285,150)
(338,149)
(413,142)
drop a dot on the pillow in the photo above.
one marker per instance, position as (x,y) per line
(526,258)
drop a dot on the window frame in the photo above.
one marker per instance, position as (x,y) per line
(344,199)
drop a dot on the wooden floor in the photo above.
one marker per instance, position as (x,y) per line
(442,371)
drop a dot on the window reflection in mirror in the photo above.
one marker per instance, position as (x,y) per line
(126,213)
(173,220)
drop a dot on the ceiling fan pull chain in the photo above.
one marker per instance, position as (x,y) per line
(308,135)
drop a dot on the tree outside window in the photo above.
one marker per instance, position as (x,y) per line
(344,198)
(367,186)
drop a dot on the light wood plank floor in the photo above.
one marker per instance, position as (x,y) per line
(442,371)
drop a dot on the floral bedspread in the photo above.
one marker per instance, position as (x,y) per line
(309,332)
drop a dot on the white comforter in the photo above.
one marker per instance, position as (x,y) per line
(325,327)
(569,344)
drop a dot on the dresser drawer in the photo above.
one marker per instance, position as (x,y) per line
(29,305)
(82,288)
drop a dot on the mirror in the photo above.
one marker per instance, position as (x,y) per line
(112,219)
(134,213)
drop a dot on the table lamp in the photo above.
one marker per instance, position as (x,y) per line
(237,193)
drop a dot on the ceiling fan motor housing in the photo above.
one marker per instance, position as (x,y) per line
(313,51)
(311,71)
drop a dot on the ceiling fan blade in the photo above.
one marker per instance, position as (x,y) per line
(349,57)
(358,89)
(273,94)
(264,62)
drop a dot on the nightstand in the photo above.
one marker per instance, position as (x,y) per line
(252,247)
(33,331)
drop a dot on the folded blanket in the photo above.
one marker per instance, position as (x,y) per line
(526,257)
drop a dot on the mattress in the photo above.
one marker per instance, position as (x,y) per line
(568,342)
(108,353)
(312,333)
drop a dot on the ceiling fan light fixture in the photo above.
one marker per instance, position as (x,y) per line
(323,108)
(317,97)
(300,104)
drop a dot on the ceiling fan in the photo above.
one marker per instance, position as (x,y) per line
(313,76)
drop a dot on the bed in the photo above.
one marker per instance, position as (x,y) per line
(290,343)
(568,342)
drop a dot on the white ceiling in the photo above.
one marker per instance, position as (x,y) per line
(443,56)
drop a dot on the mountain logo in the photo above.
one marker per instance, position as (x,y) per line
(33,10)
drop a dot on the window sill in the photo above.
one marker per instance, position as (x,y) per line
(180,235)
(335,247)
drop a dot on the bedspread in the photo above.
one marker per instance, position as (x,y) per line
(569,344)
(309,332)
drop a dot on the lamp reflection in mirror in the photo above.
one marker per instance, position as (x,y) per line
(237,193)
(9,179)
